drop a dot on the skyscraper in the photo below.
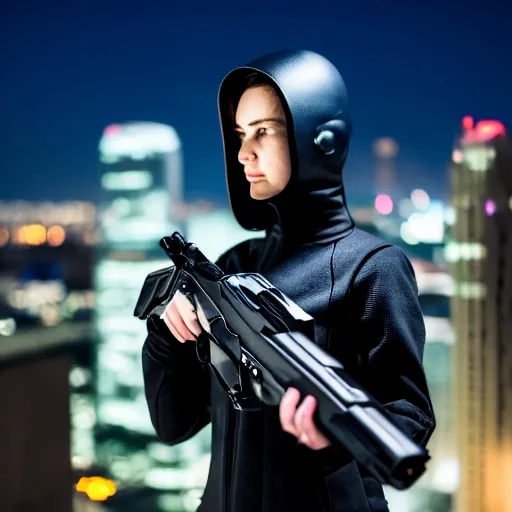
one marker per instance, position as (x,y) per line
(141,179)
(480,250)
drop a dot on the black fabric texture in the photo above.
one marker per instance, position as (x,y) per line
(360,291)
(373,325)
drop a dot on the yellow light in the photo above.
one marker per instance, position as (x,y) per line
(56,235)
(97,488)
(35,234)
(4,236)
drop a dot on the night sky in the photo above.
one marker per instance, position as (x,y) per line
(71,68)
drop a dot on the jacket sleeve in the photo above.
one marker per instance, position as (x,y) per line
(176,384)
(389,335)
(390,328)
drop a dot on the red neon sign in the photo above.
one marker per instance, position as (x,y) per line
(483,131)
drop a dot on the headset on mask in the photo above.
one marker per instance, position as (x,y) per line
(331,135)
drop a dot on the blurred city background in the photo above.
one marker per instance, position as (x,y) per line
(110,140)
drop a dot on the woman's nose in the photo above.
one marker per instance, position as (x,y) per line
(246,154)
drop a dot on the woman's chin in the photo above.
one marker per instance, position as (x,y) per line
(261,191)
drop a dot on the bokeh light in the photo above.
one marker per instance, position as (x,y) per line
(4,236)
(468,122)
(112,129)
(7,326)
(49,314)
(56,236)
(420,199)
(385,147)
(457,156)
(35,234)
(97,488)
(407,234)
(490,129)
(490,207)
(384,204)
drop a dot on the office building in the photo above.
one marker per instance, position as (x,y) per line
(480,250)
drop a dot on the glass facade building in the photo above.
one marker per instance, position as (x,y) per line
(140,180)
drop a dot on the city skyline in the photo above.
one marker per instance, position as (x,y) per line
(72,70)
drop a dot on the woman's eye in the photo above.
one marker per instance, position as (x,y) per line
(258,133)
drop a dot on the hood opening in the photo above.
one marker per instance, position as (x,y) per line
(312,93)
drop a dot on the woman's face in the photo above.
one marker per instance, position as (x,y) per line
(264,152)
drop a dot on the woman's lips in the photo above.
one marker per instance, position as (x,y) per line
(253,177)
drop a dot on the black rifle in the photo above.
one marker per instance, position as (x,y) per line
(259,344)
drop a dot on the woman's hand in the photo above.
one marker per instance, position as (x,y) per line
(299,421)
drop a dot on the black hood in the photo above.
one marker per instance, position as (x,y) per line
(312,208)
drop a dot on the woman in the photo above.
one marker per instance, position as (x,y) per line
(286,132)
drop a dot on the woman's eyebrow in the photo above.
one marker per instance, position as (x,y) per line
(276,120)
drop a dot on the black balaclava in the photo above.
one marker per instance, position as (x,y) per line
(312,207)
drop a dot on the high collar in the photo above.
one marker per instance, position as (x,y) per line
(311,217)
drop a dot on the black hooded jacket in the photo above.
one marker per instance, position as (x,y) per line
(360,291)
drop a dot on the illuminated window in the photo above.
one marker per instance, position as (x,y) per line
(478,158)
(455,251)
(471,290)
(138,140)
(451,252)
(462,201)
(127,180)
